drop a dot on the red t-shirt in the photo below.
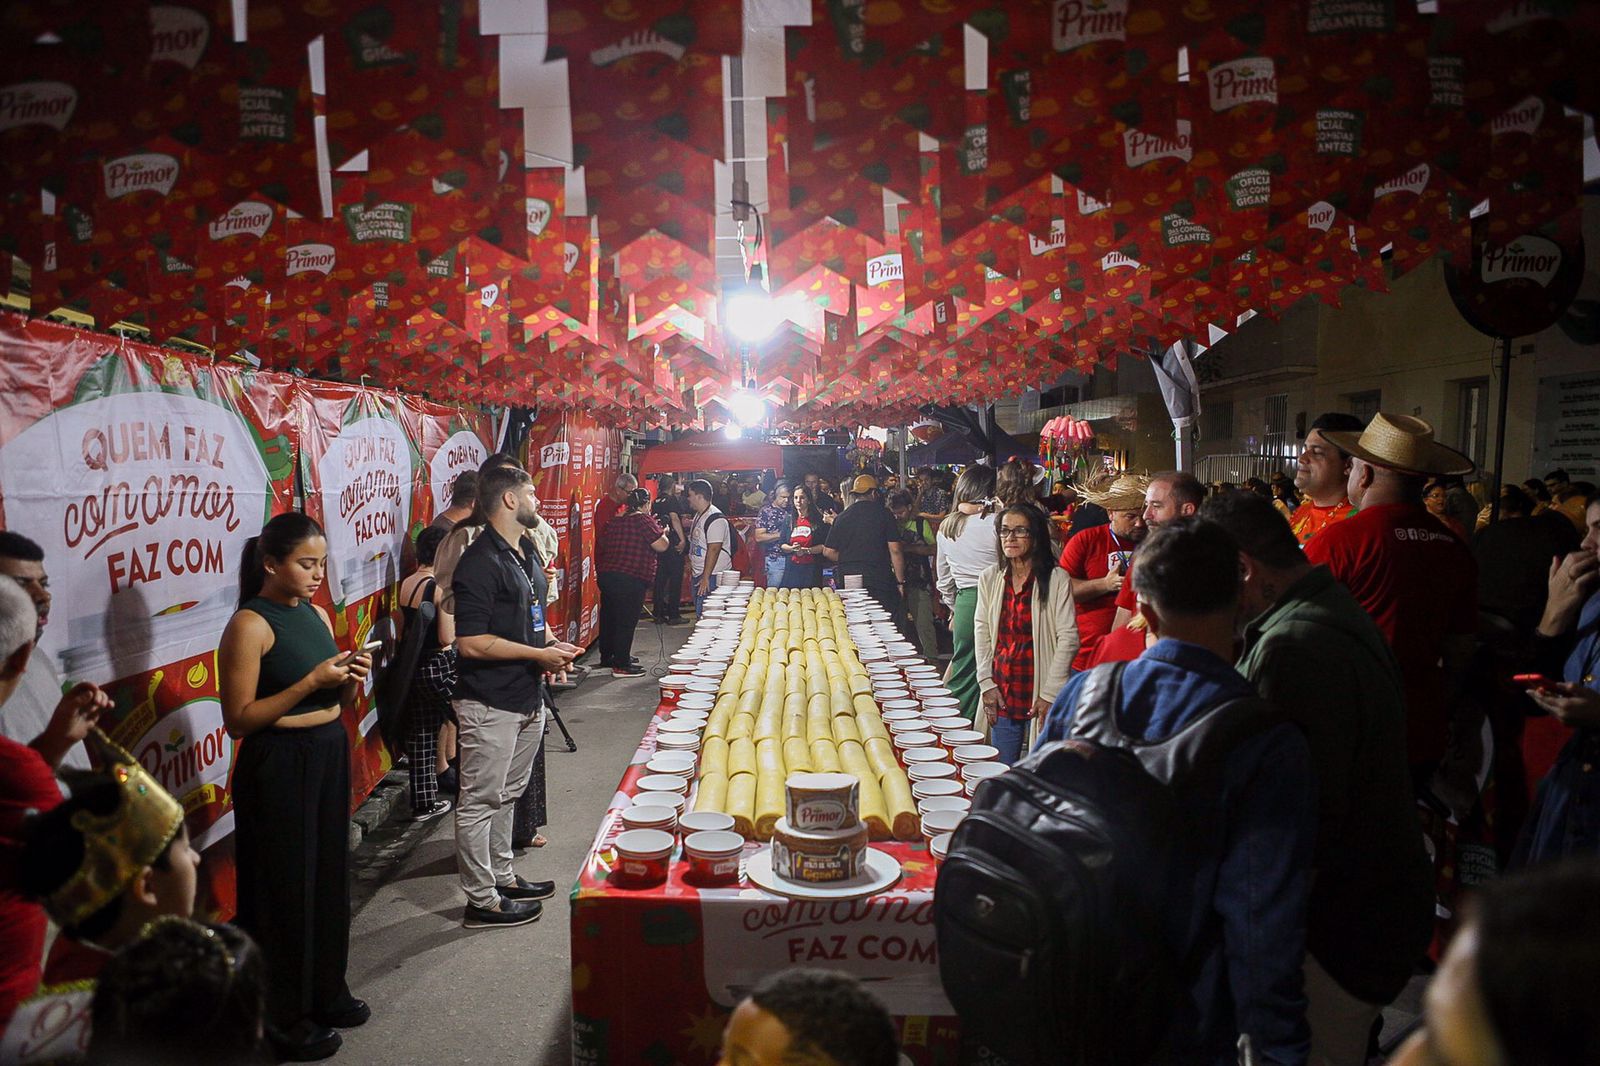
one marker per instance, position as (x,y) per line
(1420,584)
(1128,599)
(26,786)
(604,512)
(1088,557)
(1120,646)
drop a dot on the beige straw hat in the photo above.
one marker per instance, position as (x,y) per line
(1126,493)
(1400,442)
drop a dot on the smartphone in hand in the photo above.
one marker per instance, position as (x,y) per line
(1534,682)
(366,649)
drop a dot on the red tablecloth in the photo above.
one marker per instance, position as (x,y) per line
(656,971)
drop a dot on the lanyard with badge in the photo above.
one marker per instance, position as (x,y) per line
(535,607)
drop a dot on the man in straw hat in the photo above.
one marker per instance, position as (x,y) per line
(1097,559)
(1414,577)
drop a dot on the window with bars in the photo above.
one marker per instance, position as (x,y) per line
(1275,440)
(1472,418)
(1216,421)
(1365,404)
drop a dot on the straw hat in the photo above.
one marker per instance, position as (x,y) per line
(1126,493)
(1400,442)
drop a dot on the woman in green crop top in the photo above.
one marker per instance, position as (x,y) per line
(284,685)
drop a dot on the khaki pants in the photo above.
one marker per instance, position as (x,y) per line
(497,752)
(920,603)
(1339,1021)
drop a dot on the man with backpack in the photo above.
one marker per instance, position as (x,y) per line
(1137,894)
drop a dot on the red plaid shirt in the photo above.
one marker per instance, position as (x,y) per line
(624,546)
(1013,650)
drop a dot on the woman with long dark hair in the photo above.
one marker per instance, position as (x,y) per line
(284,684)
(807,534)
(964,551)
(1025,630)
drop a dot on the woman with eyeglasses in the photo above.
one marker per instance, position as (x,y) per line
(1025,630)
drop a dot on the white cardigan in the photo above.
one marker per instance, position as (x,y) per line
(1055,635)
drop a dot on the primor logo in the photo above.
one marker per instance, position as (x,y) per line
(37,103)
(1075,23)
(306,258)
(250,217)
(1527,258)
(1243,81)
(1140,147)
(143,172)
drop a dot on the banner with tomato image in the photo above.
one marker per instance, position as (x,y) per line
(573,460)
(360,472)
(142,474)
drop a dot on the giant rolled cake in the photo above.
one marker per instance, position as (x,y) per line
(795,697)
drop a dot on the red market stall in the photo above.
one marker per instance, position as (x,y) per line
(710,451)
(655,971)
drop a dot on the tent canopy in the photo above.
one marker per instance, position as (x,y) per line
(710,451)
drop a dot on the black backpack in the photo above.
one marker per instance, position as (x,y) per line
(392,692)
(1049,905)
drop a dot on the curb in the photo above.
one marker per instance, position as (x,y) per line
(386,802)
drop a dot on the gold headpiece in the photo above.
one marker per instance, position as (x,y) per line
(118,845)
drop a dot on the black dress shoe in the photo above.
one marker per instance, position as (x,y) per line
(526,890)
(348,1015)
(508,913)
(306,1041)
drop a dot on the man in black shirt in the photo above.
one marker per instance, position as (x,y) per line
(865,544)
(672,512)
(499,589)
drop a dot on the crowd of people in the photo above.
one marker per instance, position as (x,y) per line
(1412,643)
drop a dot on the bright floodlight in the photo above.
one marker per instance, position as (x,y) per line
(732,432)
(747,408)
(752,315)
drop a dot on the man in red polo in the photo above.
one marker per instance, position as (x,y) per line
(610,505)
(1414,577)
(1097,559)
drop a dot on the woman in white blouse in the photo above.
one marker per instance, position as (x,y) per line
(966,549)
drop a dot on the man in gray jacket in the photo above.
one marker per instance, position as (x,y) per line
(1313,652)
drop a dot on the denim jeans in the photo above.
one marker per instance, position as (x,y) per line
(1010,735)
(699,600)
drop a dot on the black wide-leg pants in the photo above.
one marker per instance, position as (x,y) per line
(621,599)
(291,802)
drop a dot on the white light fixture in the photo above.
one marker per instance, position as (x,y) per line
(747,408)
(732,432)
(752,315)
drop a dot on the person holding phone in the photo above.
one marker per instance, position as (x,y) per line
(284,684)
(1567,646)
(506,656)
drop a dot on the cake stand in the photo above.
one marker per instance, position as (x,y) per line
(881,871)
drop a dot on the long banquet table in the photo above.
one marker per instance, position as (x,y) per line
(655,971)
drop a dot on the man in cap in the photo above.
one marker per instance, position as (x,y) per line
(1414,577)
(1321,474)
(865,547)
(1097,560)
